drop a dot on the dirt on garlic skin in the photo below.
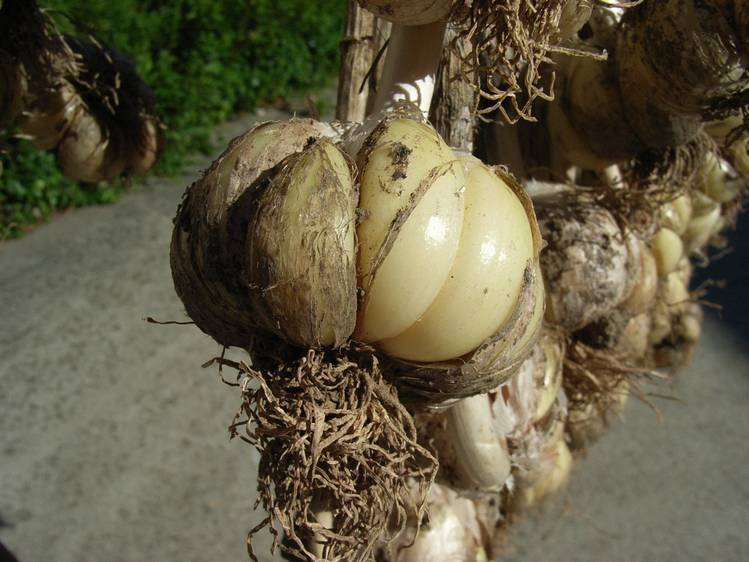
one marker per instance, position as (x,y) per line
(586,264)
(210,229)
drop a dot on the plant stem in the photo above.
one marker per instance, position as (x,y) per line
(411,66)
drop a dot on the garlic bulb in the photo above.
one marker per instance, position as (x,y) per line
(668,250)
(701,227)
(50,114)
(455,532)
(409,12)
(208,253)
(302,283)
(675,214)
(550,475)
(643,293)
(471,229)
(411,198)
(88,153)
(718,180)
(586,264)
(144,154)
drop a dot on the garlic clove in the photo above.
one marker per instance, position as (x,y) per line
(675,214)
(701,227)
(412,202)
(301,249)
(667,250)
(495,244)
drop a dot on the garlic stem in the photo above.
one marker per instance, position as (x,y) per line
(612,175)
(411,64)
(482,461)
(325,519)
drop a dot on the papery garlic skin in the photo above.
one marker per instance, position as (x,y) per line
(302,282)
(208,256)
(550,475)
(456,532)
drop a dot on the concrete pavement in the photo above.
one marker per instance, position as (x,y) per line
(114,447)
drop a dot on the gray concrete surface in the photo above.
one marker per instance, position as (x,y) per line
(114,447)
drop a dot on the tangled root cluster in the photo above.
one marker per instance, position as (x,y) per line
(511,40)
(656,177)
(30,36)
(333,438)
(596,381)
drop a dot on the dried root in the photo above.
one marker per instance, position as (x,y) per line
(333,438)
(597,383)
(512,40)
(654,178)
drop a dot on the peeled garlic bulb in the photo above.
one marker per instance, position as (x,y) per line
(409,12)
(411,196)
(668,250)
(443,248)
(495,243)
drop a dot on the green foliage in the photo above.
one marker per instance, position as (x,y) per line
(204,59)
(32,187)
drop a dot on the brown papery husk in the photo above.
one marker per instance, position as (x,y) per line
(210,229)
(586,263)
(91,151)
(302,284)
(332,435)
(12,90)
(596,382)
